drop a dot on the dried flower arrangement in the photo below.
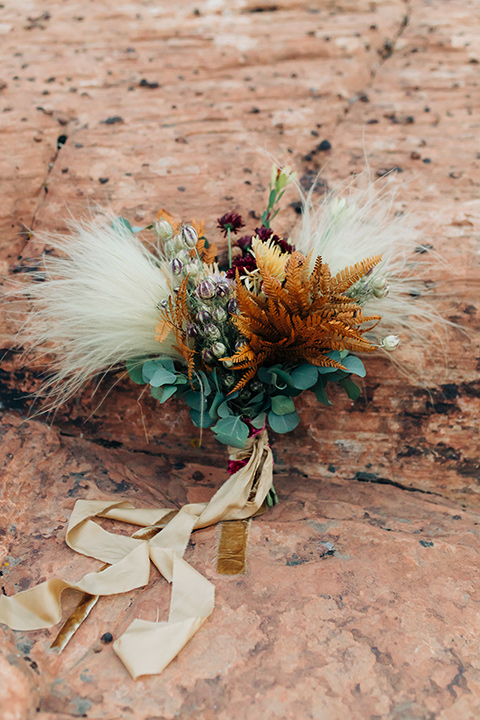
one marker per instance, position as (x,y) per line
(238,344)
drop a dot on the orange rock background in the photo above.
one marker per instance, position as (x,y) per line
(361,595)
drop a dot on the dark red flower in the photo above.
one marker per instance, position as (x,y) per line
(244,242)
(266,234)
(243,264)
(230,221)
(284,246)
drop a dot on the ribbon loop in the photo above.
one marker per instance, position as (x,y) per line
(147,647)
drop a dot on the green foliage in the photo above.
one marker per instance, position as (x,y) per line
(354,365)
(282,405)
(304,376)
(120,223)
(270,395)
(135,370)
(283,423)
(231,431)
(352,390)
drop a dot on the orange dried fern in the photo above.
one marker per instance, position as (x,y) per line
(174,317)
(302,318)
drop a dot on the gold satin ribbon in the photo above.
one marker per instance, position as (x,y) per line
(146,648)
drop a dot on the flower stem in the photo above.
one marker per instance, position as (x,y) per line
(229,235)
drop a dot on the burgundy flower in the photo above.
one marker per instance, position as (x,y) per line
(284,246)
(244,242)
(230,221)
(264,233)
(244,265)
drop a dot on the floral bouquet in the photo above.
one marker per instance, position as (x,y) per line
(238,341)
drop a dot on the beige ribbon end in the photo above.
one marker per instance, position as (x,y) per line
(146,648)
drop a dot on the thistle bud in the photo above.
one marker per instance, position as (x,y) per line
(206,289)
(163,230)
(207,355)
(178,243)
(218,349)
(189,236)
(176,266)
(223,288)
(192,269)
(219,314)
(183,256)
(390,342)
(239,345)
(168,249)
(232,306)
(192,330)
(212,331)
(379,287)
(227,363)
(203,317)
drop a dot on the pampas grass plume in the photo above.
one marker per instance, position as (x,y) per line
(95,306)
(357,220)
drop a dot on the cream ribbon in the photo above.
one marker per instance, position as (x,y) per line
(146,648)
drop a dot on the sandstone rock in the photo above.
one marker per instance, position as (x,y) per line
(360,598)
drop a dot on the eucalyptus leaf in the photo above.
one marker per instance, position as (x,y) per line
(282,405)
(135,371)
(121,223)
(204,420)
(223,409)
(283,423)
(304,376)
(334,355)
(201,380)
(257,398)
(150,367)
(216,402)
(320,391)
(259,422)
(194,400)
(284,376)
(162,394)
(231,431)
(352,390)
(264,375)
(337,376)
(181,379)
(354,365)
(166,362)
(162,377)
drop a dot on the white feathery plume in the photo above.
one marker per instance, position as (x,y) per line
(97,306)
(357,221)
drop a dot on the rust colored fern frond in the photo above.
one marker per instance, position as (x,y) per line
(302,318)
(350,275)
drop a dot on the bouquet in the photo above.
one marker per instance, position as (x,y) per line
(238,341)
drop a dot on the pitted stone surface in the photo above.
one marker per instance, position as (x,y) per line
(360,598)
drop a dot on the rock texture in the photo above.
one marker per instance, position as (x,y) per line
(360,598)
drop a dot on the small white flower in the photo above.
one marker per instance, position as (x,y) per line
(379,287)
(390,342)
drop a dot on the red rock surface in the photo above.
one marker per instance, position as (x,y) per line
(361,593)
